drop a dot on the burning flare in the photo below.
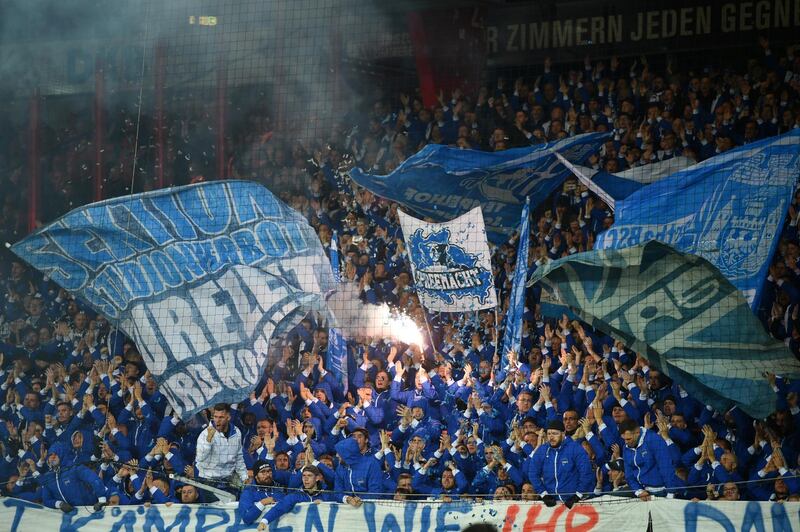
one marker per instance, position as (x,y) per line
(356,318)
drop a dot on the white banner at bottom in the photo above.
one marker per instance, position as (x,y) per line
(728,516)
(607,513)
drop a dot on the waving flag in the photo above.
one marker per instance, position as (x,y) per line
(337,357)
(612,188)
(337,345)
(677,310)
(512,339)
(441,182)
(201,277)
(451,263)
(652,172)
(335,256)
(728,209)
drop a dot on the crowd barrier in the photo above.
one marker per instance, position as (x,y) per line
(606,513)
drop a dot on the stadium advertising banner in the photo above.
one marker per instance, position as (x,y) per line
(608,513)
(567,30)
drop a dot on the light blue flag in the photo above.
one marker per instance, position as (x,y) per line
(617,188)
(679,312)
(612,188)
(337,351)
(201,277)
(442,183)
(337,357)
(512,339)
(728,209)
(335,256)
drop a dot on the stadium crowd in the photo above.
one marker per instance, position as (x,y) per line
(574,414)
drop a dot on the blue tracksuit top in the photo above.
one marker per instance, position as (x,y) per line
(252,494)
(561,471)
(76,484)
(288,502)
(649,464)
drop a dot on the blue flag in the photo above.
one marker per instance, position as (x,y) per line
(335,256)
(337,350)
(728,209)
(201,277)
(337,357)
(612,188)
(442,183)
(512,339)
(682,315)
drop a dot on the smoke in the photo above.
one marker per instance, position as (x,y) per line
(52,46)
(291,49)
(357,319)
(299,54)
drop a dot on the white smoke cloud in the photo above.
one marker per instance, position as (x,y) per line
(358,319)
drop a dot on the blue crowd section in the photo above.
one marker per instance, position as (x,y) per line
(572,415)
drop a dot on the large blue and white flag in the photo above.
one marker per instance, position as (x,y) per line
(512,339)
(728,209)
(612,188)
(441,182)
(679,312)
(451,262)
(201,277)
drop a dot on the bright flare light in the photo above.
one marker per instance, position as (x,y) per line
(356,319)
(401,327)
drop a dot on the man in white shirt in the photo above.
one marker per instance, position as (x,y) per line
(219,449)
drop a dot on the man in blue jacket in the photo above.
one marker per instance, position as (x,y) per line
(357,473)
(560,468)
(262,492)
(76,485)
(311,492)
(648,463)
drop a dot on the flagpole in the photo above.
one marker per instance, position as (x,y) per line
(497,329)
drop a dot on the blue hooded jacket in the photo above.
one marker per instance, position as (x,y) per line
(76,485)
(561,471)
(78,455)
(358,473)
